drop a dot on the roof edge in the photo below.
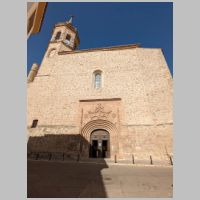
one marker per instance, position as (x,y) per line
(101,49)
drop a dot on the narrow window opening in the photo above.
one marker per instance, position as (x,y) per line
(97,80)
(34,123)
(68,38)
(58,35)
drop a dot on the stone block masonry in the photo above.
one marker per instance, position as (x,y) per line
(136,92)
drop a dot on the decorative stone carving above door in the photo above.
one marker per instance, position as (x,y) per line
(99,113)
(100,110)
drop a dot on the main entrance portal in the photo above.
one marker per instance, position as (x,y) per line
(99,144)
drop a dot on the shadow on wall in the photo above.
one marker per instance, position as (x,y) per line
(54,169)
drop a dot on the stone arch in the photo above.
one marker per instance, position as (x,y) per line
(105,125)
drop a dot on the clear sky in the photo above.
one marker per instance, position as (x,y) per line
(109,24)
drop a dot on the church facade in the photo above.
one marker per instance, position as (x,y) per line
(112,102)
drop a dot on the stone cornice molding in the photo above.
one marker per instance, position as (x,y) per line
(101,49)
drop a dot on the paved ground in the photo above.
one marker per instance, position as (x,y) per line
(61,179)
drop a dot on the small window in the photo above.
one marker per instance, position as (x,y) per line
(97,80)
(58,34)
(68,38)
(34,123)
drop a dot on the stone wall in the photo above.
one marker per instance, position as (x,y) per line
(139,77)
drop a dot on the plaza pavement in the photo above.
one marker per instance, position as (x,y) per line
(51,179)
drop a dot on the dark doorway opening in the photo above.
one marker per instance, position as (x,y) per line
(99,144)
(94,148)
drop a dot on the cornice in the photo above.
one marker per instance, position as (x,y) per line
(121,47)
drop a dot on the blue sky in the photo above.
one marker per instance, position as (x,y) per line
(109,24)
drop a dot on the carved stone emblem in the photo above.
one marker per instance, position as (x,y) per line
(99,113)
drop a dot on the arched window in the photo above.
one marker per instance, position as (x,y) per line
(97,79)
(58,35)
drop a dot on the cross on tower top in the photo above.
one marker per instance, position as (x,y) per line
(71,18)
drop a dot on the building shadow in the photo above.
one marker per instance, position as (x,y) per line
(58,166)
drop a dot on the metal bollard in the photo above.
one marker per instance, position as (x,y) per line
(133,159)
(171,160)
(151,160)
(115,158)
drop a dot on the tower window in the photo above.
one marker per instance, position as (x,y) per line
(58,34)
(34,123)
(97,79)
(68,37)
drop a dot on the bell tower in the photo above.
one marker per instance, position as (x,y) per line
(64,38)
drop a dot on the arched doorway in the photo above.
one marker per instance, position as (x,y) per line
(99,144)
